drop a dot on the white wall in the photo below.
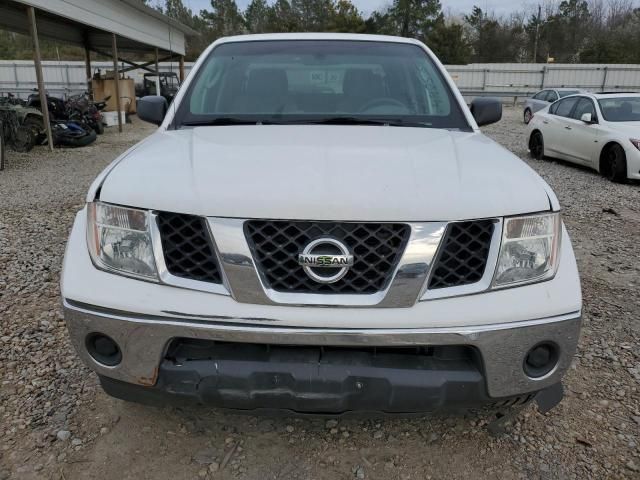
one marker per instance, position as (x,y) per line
(503,79)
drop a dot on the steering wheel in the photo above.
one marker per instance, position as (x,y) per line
(380,102)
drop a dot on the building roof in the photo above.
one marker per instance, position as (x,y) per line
(138,27)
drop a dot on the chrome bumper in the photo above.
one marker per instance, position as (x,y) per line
(144,339)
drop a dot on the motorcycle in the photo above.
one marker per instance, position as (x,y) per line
(57,106)
(70,134)
(74,122)
(82,110)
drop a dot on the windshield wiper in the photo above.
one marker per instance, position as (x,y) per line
(349,120)
(279,120)
(222,121)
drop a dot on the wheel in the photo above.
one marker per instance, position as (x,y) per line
(23,139)
(536,145)
(1,147)
(99,127)
(37,127)
(527,116)
(614,164)
(75,140)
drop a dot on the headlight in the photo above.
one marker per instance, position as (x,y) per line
(119,240)
(529,250)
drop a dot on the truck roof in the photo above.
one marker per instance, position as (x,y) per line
(317,36)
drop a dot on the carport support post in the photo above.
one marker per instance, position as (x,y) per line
(181,68)
(36,56)
(87,69)
(116,78)
(157,74)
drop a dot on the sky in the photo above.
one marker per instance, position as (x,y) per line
(500,7)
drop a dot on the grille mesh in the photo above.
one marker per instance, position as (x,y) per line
(463,256)
(187,247)
(377,248)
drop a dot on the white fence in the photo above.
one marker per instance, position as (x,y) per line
(66,77)
(499,79)
(524,78)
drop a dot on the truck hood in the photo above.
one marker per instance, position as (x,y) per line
(325,172)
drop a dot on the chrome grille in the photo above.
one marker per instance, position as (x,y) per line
(187,248)
(377,248)
(462,258)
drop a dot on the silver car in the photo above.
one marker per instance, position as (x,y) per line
(544,98)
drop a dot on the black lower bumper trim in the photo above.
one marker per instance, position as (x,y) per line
(314,380)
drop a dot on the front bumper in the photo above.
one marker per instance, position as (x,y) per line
(633,163)
(144,318)
(144,340)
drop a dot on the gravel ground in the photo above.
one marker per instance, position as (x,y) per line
(56,423)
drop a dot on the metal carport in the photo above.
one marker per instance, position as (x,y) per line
(99,26)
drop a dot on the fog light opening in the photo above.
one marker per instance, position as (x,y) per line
(103,349)
(541,359)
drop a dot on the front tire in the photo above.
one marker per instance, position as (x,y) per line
(536,145)
(528,115)
(1,147)
(613,165)
(37,127)
(23,139)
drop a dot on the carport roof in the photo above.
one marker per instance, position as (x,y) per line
(138,27)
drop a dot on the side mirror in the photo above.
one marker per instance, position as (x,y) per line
(486,110)
(586,118)
(152,109)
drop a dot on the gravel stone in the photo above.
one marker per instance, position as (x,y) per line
(45,389)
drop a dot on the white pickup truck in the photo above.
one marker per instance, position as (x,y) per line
(319,226)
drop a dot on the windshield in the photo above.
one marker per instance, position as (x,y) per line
(620,109)
(566,93)
(315,81)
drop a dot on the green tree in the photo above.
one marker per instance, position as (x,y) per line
(495,40)
(224,19)
(449,43)
(575,16)
(281,18)
(313,15)
(379,23)
(257,16)
(346,18)
(534,28)
(408,18)
(195,45)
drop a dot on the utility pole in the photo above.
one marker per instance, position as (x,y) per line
(535,44)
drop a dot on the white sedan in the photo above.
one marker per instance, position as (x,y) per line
(600,131)
(544,98)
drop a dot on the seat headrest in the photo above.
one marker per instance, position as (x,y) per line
(267,81)
(362,83)
(625,108)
